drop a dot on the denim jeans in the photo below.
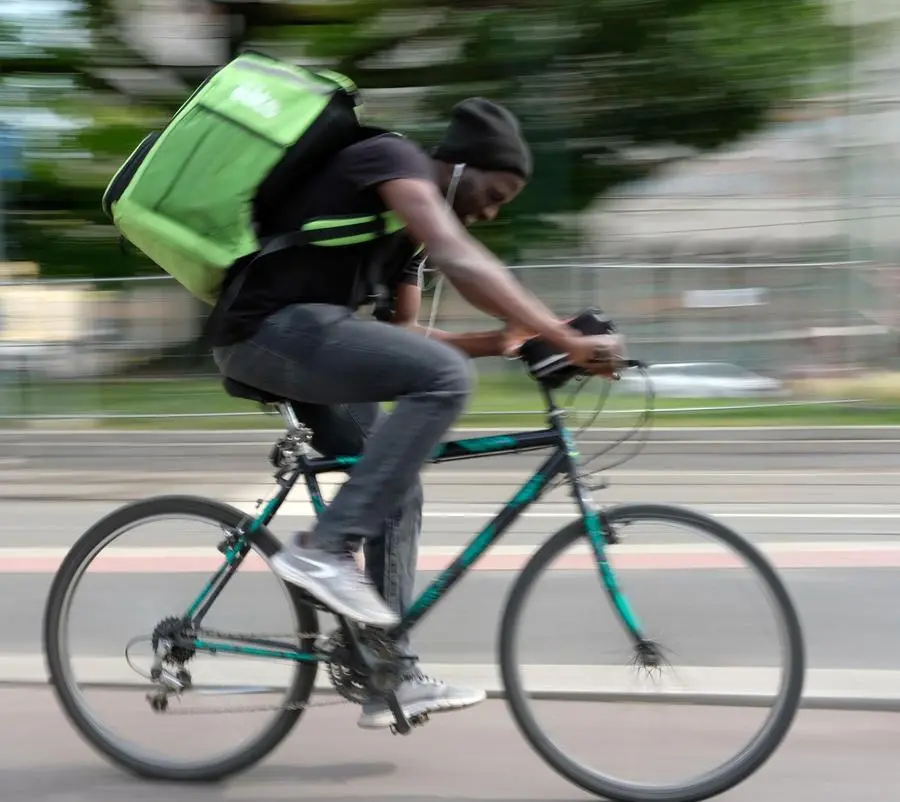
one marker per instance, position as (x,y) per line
(337,367)
(392,555)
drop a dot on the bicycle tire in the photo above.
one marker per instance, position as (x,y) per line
(87,546)
(732,772)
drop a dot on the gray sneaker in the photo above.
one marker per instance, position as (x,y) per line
(419,694)
(335,580)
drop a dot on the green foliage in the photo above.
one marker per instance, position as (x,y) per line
(591,80)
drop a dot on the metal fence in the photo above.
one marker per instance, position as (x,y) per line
(780,254)
(778,318)
(64,343)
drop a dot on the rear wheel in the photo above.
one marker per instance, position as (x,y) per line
(597,686)
(111,616)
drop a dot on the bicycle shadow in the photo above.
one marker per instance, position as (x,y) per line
(271,784)
(46,783)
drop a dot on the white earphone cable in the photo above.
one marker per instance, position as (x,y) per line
(450,197)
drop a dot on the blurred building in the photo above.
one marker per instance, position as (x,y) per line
(779,253)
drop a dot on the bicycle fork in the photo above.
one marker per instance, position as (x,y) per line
(600,535)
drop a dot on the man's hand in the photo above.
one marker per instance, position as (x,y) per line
(513,337)
(599,355)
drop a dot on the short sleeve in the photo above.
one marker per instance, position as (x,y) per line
(386,157)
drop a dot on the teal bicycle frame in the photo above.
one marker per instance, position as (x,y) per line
(562,460)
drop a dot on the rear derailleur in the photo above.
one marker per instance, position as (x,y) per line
(172,644)
(363,663)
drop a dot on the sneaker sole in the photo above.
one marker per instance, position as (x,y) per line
(322,593)
(384,719)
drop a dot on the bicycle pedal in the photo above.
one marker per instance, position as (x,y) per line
(414,721)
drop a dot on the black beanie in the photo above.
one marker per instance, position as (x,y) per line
(487,136)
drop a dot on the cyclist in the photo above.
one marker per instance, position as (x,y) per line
(294,330)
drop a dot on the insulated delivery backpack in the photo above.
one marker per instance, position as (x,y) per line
(189,196)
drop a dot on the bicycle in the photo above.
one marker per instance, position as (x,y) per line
(361,660)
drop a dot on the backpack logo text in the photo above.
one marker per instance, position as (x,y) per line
(257,99)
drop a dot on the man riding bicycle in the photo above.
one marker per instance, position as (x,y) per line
(293,330)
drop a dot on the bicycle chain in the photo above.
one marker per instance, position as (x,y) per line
(210,633)
(214,711)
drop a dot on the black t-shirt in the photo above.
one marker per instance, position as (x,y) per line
(345,188)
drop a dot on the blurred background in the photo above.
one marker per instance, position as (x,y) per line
(720,176)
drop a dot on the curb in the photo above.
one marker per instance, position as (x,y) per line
(825,689)
(849,704)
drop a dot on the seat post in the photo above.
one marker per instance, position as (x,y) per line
(289,416)
(294,444)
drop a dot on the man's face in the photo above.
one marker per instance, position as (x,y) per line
(480,194)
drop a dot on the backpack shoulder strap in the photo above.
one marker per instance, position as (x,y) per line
(283,242)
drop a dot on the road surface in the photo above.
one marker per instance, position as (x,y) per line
(847,604)
(245,453)
(841,563)
(475,755)
(823,506)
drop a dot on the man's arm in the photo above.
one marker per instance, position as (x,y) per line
(486,282)
(481,279)
(474,344)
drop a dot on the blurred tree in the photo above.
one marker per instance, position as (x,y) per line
(607,90)
(598,85)
(109,71)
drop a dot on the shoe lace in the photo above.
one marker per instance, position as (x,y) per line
(419,676)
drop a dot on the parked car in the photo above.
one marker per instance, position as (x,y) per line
(702,380)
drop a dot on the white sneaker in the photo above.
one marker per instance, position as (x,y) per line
(336,581)
(419,694)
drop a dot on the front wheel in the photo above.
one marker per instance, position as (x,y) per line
(569,688)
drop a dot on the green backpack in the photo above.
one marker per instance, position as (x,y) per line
(189,195)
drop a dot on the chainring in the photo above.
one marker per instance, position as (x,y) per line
(348,678)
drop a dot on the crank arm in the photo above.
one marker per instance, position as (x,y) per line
(401,725)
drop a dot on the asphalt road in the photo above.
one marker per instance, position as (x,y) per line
(833,450)
(823,507)
(709,617)
(846,599)
(475,755)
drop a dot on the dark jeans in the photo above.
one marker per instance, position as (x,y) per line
(324,356)
(391,556)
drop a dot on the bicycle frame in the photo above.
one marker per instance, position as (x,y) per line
(562,460)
